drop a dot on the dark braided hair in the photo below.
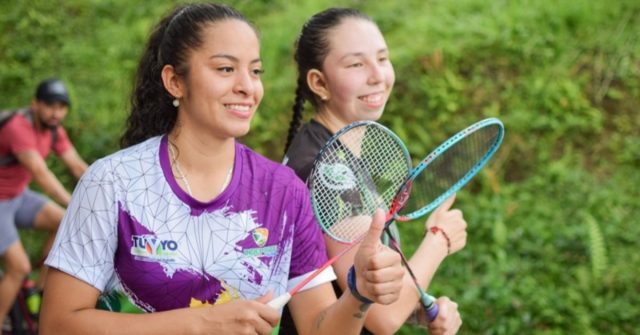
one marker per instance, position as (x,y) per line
(152,112)
(311,49)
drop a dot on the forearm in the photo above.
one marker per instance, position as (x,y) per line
(346,316)
(427,258)
(92,321)
(74,163)
(52,186)
(77,170)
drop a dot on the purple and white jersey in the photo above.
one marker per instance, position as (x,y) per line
(131,230)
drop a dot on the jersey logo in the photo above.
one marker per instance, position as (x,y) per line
(149,247)
(260,236)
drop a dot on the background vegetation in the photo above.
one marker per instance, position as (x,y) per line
(553,222)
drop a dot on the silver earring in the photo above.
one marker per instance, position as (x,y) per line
(176,102)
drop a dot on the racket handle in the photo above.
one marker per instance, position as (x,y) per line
(280,301)
(432,312)
(430,303)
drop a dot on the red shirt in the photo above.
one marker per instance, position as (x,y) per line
(19,135)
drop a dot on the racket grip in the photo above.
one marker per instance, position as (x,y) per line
(432,312)
(280,301)
(430,303)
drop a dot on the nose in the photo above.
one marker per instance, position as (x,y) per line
(60,111)
(245,83)
(376,74)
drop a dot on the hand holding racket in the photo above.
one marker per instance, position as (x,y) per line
(448,321)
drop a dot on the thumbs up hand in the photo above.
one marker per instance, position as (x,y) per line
(450,224)
(378,269)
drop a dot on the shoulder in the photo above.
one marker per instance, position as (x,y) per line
(312,133)
(17,120)
(127,161)
(305,147)
(261,166)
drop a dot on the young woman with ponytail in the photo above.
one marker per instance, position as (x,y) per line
(345,72)
(187,231)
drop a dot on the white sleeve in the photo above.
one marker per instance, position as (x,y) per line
(87,238)
(326,276)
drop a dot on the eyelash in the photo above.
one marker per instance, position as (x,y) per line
(229,69)
(359,64)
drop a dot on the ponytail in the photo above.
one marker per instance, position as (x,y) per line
(151,110)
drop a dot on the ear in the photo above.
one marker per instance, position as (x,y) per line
(318,84)
(172,82)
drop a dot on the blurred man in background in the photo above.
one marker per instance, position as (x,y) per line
(27,136)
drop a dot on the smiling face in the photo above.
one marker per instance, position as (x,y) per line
(222,89)
(357,72)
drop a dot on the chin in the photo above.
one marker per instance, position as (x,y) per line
(240,131)
(372,116)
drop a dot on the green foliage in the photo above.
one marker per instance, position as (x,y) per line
(552,220)
(597,247)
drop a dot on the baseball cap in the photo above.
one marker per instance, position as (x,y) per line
(52,90)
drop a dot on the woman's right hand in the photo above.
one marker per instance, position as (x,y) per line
(447,322)
(240,317)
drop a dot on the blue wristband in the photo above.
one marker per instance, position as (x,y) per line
(351,282)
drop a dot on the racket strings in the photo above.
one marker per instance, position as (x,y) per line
(448,168)
(357,172)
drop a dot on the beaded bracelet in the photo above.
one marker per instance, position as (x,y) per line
(351,282)
(435,229)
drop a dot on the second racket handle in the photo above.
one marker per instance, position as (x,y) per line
(432,312)
(430,305)
(280,301)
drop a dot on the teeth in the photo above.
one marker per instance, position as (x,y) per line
(374,98)
(242,108)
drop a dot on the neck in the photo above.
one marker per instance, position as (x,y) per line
(329,120)
(201,165)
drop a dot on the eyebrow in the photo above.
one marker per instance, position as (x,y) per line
(360,54)
(233,58)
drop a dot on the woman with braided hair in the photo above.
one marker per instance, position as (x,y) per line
(345,72)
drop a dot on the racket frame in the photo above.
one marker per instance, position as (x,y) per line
(329,144)
(465,179)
